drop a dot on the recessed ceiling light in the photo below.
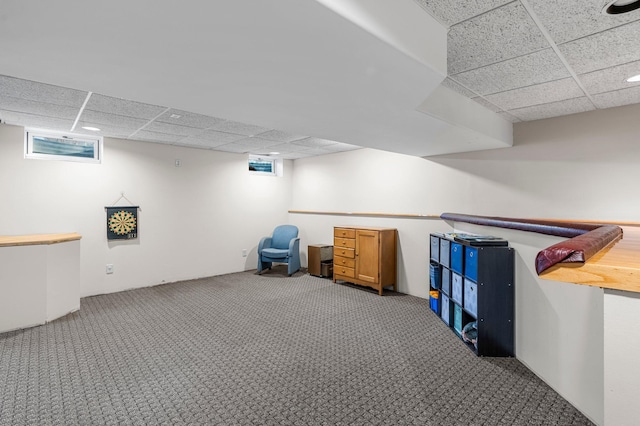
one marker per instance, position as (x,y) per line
(93,129)
(634,79)
(617,7)
(175,116)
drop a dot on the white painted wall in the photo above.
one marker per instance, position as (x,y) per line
(194,219)
(621,348)
(583,166)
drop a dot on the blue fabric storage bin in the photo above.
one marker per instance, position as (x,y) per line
(457,256)
(471,263)
(433,302)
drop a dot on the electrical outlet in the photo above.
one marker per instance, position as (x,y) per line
(109,268)
(244,252)
(178,163)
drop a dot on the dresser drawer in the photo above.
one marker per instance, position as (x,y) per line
(344,233)
(343,261)
(344,252)
(344,271)
(344,242)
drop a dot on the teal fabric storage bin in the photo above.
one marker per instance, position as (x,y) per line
(457,318)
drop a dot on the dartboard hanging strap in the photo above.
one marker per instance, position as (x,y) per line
(122,196)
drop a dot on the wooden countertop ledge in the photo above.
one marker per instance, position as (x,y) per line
(599,255)
(37,239)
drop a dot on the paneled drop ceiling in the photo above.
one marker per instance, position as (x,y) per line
(312,77)
(535,59)
(43,106)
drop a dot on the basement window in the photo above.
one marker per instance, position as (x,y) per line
(49,145)
(265,165)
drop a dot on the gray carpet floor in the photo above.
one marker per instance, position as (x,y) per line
(243,349)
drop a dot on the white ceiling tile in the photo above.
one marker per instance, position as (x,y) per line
(123,107)
(40,92)
(618,98)
(554,109)
(317,151)
(294,155)
(98,118)
(610,79)
(457,87)
(189,119)
(485,103)
(172,129)
(105,130)
(504,33)
(451,12)
(256,143)
(10,103)
(239,128)
(197,143)
(278,136)
(36,121)
(314,142)
(572,19)
(146,135)
(552,91)
(213,138)
(288,147)
(341,147)
(509,117)
(603,50)
(233,147)
(527,70)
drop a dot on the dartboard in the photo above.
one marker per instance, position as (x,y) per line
(122,223)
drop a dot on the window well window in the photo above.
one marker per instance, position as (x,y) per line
(59,146)
(262,165)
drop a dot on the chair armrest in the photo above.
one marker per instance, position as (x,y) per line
(265,242)
(294,246)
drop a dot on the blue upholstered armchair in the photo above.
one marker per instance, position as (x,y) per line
(283,247)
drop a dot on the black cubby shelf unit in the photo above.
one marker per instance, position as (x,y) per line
(472,289)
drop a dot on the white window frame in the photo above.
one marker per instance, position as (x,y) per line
(96,141)
(272,160)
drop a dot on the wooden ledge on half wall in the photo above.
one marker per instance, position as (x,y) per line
(37,239)
(617,266)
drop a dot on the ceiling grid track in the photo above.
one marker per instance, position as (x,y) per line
(555,48)
(149,122)
(84,105)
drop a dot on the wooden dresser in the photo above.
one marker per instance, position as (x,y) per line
(365,256)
